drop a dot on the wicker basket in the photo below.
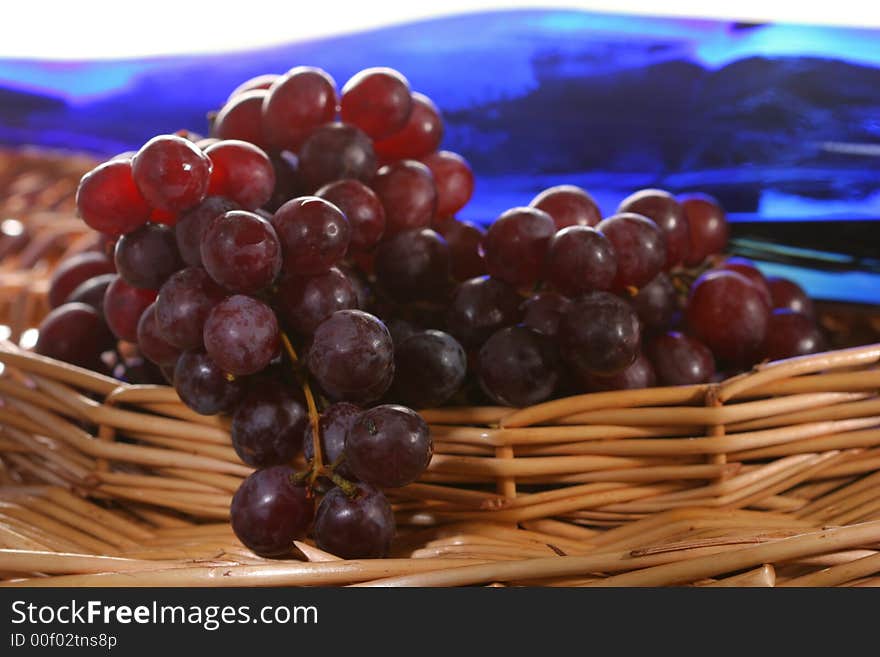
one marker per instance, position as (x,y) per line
(769,478)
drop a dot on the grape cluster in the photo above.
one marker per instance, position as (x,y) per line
(251,269)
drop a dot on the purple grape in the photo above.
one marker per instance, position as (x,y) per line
(360,526)
(242,335)
(268,425)
(203,386)
(518,367)
(429,368)
(599,334)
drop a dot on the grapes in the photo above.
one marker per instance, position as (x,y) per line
(579,260)
(270,511)
(268,425)
(203,386)
(791,334)
(680,360)
(730,315)
(789,295)
(336,151)
(429,368)
(146,257)
(241,335)
(92,291)
(453,179)
(420,136)
(241,172)
(465,242)
(289,182)
(360,526)
(352,357)
(76,334)
(123,306)
(151,342)
(335,422)
(516,245)
(255,83)
(479,307)
(568,205)
(708,230)
(638,375)
(240,251)
(314,235)
(306,301)
(413,266)
(361,207)
(183,306)
(408,194)
(657,303)
(171,173)
(298,102)
(640,248)
(518,367)
(74,271)
(662,208)
(542,312)
(192,225)
(378,101)
(756,278)
(242,118)
(108,200)
(600,334)
(389,446)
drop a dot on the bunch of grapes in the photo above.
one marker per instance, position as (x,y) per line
(302,270)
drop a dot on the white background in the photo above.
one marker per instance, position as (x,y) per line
(85,29)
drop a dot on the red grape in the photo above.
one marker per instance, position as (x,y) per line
(241,172)
(108,200)
(268,425)
(600,334)
(787,294)
(707,227)
(378,101)
(146,257)
(171,173)
(640,248)
(413,266)
(192,225)
(516,245)
(479,307)
(298,102)
(314,235)
(75,334)
(752,273)
(728,313)
(255,83)
(518,367)
(791,334)
(568,205)
(657,302)
(335,422)
(638,375)
(662,208)
(333,152)
(465,242)
(74,271)
(681,360)
(408,194)
(429,368)
(123,307)
(183,306)
(269,511)
(203,386)
(351,357)
(92,291)
(306,301)
(242,118)
(542,312)
(241,251)
(421,135)
(389,446)
(151,342)
(241,335)
(361,207)
(453,179)
(580,259)
(360,526)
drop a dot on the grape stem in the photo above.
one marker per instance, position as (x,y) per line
(314,417)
